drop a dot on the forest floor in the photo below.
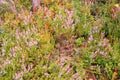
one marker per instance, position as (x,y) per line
(61,40)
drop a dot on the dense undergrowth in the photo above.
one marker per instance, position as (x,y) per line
(63,40)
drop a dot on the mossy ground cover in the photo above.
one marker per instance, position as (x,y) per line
(62,40)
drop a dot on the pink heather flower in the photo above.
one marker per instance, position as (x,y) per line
(3,50)
(119,9)
(35,42)
(30,66)
(0,19)
(114,15)
(75,76)
(14,49)
(24,67)
(46,74)
(27,32)
(101,52)
(45,9)
(32,43)
(90,38)
(68,70)
(94,53)
(18,75)
(85,25)
(7,61)
(25,20)
(70,14)
(13,54)
(105,41)
(10,55)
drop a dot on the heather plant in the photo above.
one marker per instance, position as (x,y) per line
(61,40)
